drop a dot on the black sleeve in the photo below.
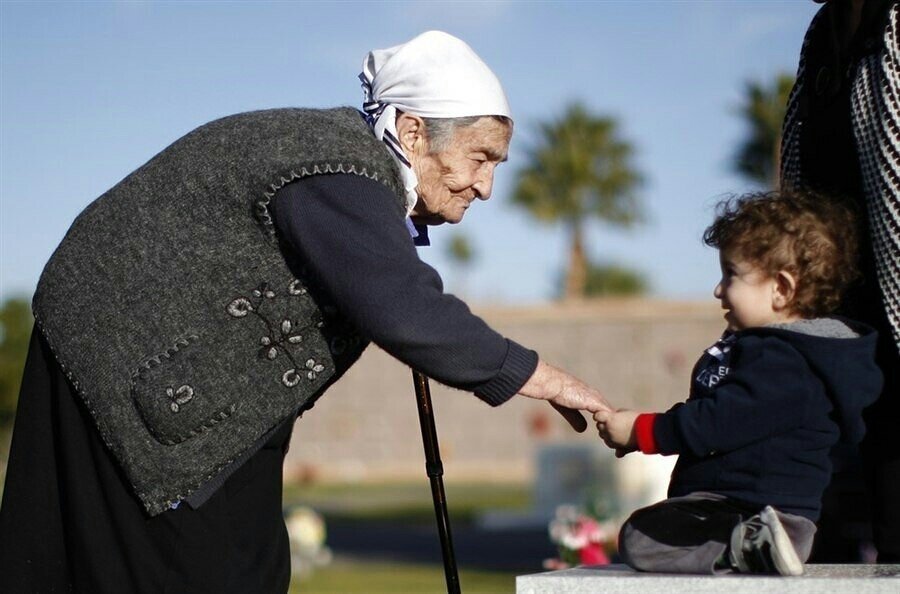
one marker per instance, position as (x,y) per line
(350,231)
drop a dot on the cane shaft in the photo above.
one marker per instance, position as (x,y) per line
(435,470)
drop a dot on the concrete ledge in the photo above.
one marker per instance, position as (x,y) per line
(621,579)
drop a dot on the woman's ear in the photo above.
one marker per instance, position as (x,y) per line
(411,134)
(784,290)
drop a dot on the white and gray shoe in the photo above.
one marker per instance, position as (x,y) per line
(760,544)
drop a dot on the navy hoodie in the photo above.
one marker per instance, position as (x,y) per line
(766,407)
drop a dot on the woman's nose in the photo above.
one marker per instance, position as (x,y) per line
(484,184)
(717,292)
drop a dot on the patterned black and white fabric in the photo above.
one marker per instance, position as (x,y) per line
(875,100)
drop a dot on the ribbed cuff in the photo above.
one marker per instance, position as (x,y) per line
(517,368)
(643,432)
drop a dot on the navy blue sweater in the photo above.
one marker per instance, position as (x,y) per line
(763,416)
(348,229)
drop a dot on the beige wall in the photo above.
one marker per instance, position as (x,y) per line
(639,353)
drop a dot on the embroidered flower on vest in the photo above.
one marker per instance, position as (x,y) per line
(281,336)
(179,397)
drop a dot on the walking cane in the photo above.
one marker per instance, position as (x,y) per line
(435,471)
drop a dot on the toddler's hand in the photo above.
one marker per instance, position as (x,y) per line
(616,429)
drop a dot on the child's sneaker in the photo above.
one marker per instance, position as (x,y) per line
(761,545)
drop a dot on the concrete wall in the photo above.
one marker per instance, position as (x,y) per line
(638,352)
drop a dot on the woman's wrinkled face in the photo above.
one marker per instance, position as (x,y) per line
(450,180)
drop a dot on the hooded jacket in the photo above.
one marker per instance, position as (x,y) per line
(766,407)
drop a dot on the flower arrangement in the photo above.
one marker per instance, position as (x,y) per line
(306,533)
(581,537)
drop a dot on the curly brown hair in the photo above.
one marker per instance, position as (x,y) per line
(811,236)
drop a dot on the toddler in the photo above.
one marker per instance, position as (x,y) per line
(767,402)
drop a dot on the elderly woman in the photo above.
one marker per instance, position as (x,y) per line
(198,307)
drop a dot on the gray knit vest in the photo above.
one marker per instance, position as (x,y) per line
(185,325)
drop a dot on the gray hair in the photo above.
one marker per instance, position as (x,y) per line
(439,131)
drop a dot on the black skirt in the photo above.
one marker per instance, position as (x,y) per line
(69,521)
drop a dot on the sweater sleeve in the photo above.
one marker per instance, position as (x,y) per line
(643,430)
(350,232)
(767,392)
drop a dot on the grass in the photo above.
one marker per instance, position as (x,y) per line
(409,503)
(406,502)
(377,578)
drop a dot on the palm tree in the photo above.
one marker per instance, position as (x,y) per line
(613,280)
(460,250)
(462,254)
(15,332)
(579,168)
(759,155)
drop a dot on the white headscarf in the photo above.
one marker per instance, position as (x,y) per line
(435,75)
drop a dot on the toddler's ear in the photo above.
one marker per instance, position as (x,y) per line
(784,290)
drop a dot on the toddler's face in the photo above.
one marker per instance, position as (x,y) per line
(747,293)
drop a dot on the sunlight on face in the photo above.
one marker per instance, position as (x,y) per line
(449,181)
(746,293)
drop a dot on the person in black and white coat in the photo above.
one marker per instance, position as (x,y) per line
(842,138)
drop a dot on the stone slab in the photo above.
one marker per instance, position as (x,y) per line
(621,579)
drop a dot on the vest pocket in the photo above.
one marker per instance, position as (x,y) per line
(263,353)
(173,403)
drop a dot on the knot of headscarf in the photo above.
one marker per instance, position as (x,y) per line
(435,75)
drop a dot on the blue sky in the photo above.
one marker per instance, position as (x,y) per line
(89,91)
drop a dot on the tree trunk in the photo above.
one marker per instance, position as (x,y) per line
(576,276)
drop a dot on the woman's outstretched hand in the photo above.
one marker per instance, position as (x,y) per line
(565,393)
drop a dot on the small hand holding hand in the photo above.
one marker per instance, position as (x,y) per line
(616,429)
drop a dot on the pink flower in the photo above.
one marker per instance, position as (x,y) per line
(580,538)
(589,529)
(593,554)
